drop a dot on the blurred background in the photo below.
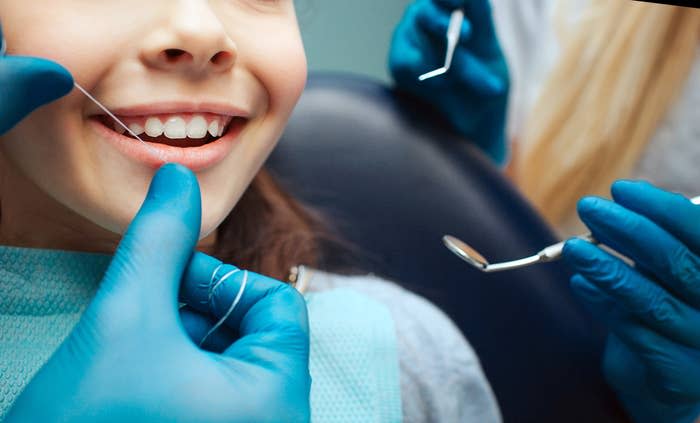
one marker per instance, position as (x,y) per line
(349,35)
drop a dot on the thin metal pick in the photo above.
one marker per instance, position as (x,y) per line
(554,252)
(454,31)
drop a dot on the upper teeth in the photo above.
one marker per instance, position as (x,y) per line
(175,127)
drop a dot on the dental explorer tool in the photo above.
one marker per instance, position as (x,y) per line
(554,252)
(454,30)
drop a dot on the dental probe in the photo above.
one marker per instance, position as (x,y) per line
(454,31)
(554,252)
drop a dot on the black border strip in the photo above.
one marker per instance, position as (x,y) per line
(684,3)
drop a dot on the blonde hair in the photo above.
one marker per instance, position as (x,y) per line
(620,71)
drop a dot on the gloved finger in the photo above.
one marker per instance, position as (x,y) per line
(414,52)
(198,325)
(625,371)
(474,75)
(672,369)
(663,359)
(672,211)
(624,365)
(26,83)
(634,293)
(270,316)
(410,53)
(435,20)
(590,295)
(145,273)
(651,247)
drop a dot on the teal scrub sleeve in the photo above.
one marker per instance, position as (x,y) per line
(652,356)
(27,83)
(473,95)
(130,358)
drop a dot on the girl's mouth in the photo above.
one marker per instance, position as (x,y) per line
(197,140)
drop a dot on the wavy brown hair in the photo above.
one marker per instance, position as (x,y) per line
(269,231)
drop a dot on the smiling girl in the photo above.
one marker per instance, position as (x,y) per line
(209,85)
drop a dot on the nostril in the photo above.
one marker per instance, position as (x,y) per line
(174,54)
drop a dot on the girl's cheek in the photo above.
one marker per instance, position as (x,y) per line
(285,73)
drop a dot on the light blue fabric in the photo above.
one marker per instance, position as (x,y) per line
(354,359)
(42,296)
(354,362)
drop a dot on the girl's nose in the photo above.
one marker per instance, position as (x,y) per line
(191,41)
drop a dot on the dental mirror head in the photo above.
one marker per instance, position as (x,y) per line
(465,252)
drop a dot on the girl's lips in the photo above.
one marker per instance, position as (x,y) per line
(155,155)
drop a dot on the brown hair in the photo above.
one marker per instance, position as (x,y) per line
(269,231)
(620,71)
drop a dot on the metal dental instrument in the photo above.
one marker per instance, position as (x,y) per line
(454,30)
(462,250)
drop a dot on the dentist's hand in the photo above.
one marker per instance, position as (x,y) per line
(473,95)
(652,357)
(27,83)
(130,357)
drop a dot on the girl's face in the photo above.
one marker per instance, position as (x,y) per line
(211,82)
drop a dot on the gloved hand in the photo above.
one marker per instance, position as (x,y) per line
(129,357)
(473,95)
(652,357)
(27,83)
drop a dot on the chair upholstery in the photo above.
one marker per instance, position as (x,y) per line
(387,171)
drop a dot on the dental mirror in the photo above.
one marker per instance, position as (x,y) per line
(465,252)
(469,254)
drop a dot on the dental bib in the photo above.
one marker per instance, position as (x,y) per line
(354,359)
(353,363)
(42,296)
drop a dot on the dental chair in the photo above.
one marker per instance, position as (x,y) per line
(386,170)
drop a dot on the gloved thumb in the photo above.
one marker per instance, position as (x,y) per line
(27,83)
(145,273)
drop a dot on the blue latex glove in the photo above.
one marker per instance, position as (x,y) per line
(652,357)
(27,83)
(130,359)
(473,95)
